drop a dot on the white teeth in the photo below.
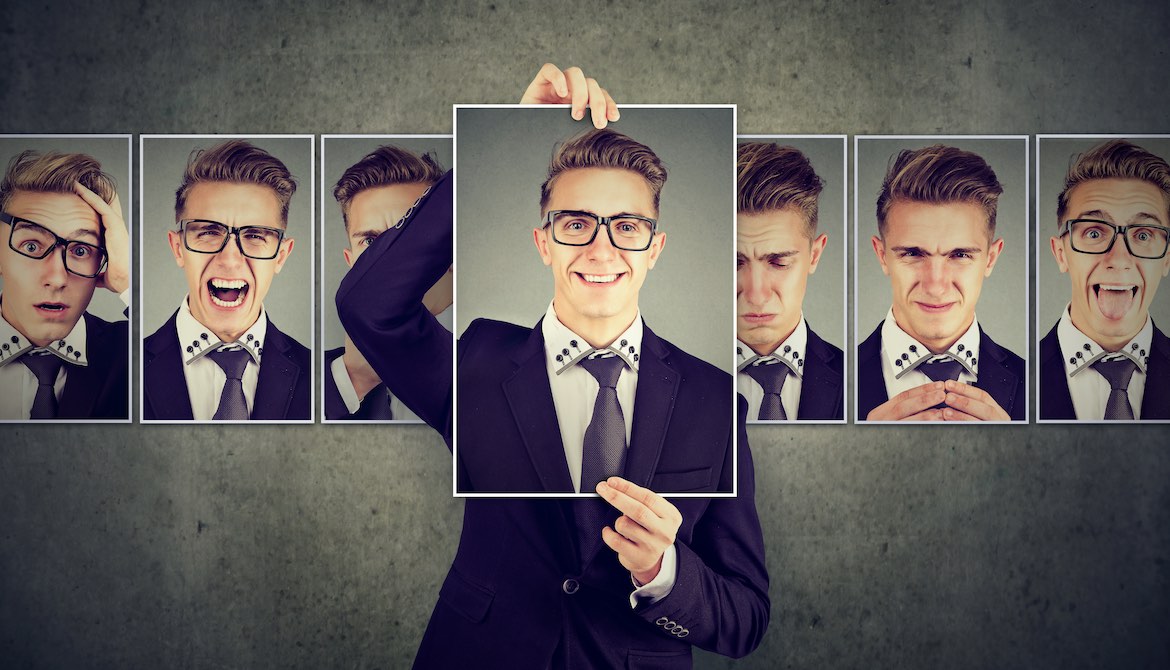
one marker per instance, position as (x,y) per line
(599,279)
(228,283)
(1117,287)
(223,303)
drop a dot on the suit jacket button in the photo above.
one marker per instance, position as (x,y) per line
(570,586)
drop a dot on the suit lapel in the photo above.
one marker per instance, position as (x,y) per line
(994,376)
(1156,402)
(530,399)
(653,405)
(163,382)
(278,377)
(84,383)
(1055,399)
(871,386)
(820,389)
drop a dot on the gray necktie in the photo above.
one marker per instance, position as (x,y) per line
(603,453)
(1118,373)
(45,367)
(376,405)
(233,406)
(941,371)
(771,376)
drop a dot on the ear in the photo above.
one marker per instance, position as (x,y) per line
(1057,246)
(656,247)
(992,256)
(879,250)
(175,241)
(540,239)
(349,257)
(815,250)
(286,248)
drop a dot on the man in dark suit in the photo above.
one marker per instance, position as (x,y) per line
(929,360)
(373,194)
(219,356)
(785,371)
(62,237)
(530,585)
(1105,359)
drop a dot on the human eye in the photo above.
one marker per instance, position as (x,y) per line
(81,250)
(367,240)
(30,246)
(1142,234)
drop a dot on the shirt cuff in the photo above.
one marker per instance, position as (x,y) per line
(659,587)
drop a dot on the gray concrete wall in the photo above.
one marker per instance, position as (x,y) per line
(314,546)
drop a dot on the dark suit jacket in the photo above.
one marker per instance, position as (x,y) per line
(1001,373)
(1056,401)
(283,391)
(518,594)
(335,408)
(822,388)
(99,390)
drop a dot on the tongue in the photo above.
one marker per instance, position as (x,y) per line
(227,294)
(1114,305)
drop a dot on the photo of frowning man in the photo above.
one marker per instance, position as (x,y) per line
(221,356)
(1105,359)
(570,583)
(784,369)
(63,238)
(372,193)
(930,358)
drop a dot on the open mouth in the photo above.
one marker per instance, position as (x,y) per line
(52,307)
(1115,300)
(227,292)
(600,280)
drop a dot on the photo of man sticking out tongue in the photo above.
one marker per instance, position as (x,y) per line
(220,356)
(1106,359)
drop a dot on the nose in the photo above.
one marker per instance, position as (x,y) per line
(752,285)
(1118,256)
(230,254)
(936,277)
(601,247)
(53,271)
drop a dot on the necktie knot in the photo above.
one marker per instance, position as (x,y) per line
(770,376)
(232,361)
(941,371)
(43,366)
(605,369)
(1117,372)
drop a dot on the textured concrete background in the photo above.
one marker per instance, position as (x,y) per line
(309,546)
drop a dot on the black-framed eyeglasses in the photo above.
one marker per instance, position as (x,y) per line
(31,239)
(1093,236)
(210,237)
(575,228)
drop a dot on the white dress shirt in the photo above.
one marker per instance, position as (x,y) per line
(349,394)
(902,355)
(1090,390)
(790,352)
(18,384)
(574,392)
(205,379)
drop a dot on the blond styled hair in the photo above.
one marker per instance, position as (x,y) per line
(237,161)
(54,172)
(939,175)
(1115,159)
(385,166)
(605,149)
(771,177)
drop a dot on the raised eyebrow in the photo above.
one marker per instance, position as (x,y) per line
(85,231)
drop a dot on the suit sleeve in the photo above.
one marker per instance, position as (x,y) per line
(380,307)
(720,595)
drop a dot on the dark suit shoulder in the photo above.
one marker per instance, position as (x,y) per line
(830,354)
(299,352)
(1005,356)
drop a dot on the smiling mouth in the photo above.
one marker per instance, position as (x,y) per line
(600,280)
(935,308)
(227,292)
(1114,300)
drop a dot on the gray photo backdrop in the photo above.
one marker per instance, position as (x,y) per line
(1003,301)
(1054,155)
(114,155)
(503,155)
(337,155)
(825,297)
(290,297)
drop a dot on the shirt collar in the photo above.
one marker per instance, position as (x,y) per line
(790,352)
(904,353)
(196,340)
(71,349)
(1080,351)
(566,347)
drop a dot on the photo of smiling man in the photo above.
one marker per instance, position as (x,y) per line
(225,212)
(64,279)
(1105,359)
(949,213)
